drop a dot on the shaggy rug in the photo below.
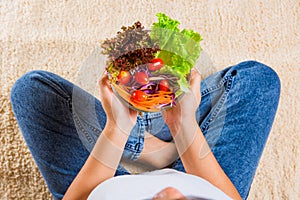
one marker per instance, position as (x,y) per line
(60,35)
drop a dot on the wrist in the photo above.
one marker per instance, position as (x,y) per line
(185,135)
(182,123)
(109,146)
(114,126)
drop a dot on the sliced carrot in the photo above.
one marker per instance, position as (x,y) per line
(153,100)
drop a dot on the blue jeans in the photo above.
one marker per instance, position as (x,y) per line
(236,113)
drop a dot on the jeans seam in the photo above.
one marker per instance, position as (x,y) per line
(150,116)
(220,103)
(211,89)
(86,134)
(48,80)
(137,148)
(97,131)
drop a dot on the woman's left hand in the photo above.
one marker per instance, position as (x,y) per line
(117,113)
(186,107)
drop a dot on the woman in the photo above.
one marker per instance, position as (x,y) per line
(219,141)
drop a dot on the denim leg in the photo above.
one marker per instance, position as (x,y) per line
(60,133)
(236,114)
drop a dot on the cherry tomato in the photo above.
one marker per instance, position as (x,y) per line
(141,78)
(164,85)
(124,77)
(155,64)
(139,95)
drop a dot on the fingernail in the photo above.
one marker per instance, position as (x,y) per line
(196,72)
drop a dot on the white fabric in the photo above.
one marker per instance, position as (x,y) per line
(146,185)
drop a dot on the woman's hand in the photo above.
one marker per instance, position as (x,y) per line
(187,106)
(117,113)
(191,144)
(107,152)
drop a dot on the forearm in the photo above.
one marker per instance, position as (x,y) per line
(101,164)
(198,159)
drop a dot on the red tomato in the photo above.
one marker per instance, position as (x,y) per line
(124,77)
(141,78)
(155,64)
(139,95)
(164,85)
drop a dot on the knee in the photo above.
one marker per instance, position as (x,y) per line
(260,76)
(24,86)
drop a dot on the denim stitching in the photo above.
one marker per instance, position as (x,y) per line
(86,134)
(147,120)
(220,104)
(135,149)
(139,145)
(97,131)
(48,80)
(211,89)
(154,115)
(128,146)
(203,93)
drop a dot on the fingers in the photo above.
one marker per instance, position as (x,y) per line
(195,81)
(104,83)
(103,80)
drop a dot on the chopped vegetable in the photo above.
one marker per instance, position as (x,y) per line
(158,99)
(155,64)
(124,77)
(139,96)
(131,47)
(150,70)
(141,78)
(164,85)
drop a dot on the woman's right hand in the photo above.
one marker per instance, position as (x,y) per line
(107,152)
(117,113)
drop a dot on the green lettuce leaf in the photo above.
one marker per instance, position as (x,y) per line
(163,29)
(179,49)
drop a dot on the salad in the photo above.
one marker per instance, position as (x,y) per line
(150,70)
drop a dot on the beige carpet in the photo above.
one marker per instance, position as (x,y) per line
(59,35)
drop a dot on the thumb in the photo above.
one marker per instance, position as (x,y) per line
(104,83)
(195,81)
(105,90)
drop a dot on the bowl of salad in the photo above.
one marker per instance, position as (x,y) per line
(149,70)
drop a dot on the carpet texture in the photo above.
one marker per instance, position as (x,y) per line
(59,35)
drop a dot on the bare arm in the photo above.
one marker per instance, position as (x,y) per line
(198,159)
(99,168)
(106,154)
(191,144)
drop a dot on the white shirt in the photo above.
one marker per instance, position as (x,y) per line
(146,185)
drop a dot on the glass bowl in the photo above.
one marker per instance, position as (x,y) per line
(149,74)
(148,91)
